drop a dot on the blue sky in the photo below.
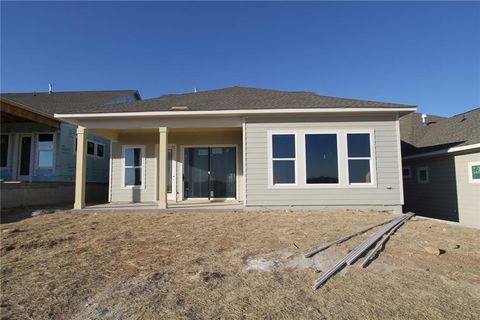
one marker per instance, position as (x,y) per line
(415,53)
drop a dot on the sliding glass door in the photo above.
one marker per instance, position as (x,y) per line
(210,172)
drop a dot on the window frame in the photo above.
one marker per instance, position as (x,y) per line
(338,134)
(9,148)
(470,176)
(409,176)
(427,181)
(37,151)
(372,159)
(96,150)
(143,174)
(271,159)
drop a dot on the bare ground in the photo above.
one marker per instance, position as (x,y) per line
(231,266)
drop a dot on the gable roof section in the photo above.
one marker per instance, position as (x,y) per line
(64,102)
(241,98)
(439,133)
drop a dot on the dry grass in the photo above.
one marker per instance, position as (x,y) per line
(194,266)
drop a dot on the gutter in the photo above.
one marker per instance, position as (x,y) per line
(444,151)
(230,112)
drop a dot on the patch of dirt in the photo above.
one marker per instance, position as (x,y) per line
(134,265)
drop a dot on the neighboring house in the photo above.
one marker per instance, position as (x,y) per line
(263,148)
(441,166)
(37,148)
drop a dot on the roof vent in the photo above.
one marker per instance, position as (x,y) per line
(179,108)
(424,119)
(50,88)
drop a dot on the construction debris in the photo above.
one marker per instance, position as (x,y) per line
(343,239)
(355,254)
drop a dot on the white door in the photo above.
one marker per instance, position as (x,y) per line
(172,173)
(25,153)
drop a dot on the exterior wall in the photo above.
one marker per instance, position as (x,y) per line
(15,195)
(438,198)
(468,194)
(64,162)
(386,193)
(150,141)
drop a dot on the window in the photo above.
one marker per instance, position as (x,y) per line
(474,172)
(407,172)
(133,171)
(45,148)
(359,158)
(283,159)
(100,150)
(321,158)
(423,175)
(90,148)
(4,150)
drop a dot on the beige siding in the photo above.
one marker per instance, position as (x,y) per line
(198,137)
(119,192)
(468,193)
(386,192)
(438,198)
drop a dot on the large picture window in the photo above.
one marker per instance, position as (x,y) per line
(133,171)
(359,158)
(4,150)
(45,148)
(321,158)
(283,159)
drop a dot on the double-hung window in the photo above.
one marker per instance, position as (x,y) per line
(359,153)
(45,148)
(90,148)
(284,159)
(423,175)
(100,150)
(134,167)
(321,158)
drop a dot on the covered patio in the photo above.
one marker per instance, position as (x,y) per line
(169,162)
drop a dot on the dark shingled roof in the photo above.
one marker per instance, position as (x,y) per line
(240,98)
(66,102)
(440,133)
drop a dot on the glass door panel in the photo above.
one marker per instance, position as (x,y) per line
(25,156)
(196,173)
(223,172)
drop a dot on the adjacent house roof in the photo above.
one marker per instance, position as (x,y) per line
(241,98)
(66,102)
(439,133)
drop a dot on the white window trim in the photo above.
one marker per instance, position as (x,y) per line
(96,150)
(270,159)
(9,150)
(470,165)
(409,175)
(142,186)
(372,158)
(427,173)
(37,150)
(338,134)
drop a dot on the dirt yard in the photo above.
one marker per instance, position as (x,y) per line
(232,266)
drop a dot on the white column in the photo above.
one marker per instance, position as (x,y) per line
(162,168)
(81,172)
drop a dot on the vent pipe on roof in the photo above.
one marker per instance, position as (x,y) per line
(50,88)
(424,119)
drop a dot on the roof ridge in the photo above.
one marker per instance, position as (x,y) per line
(53,92)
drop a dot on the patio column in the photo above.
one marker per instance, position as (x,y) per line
(80,175)
(162,168)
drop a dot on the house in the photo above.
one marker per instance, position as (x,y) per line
(261,148)
(441,166)
(39,150)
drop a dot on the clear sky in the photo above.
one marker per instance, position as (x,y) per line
(426,54)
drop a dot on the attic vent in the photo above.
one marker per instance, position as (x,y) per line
(179,108)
